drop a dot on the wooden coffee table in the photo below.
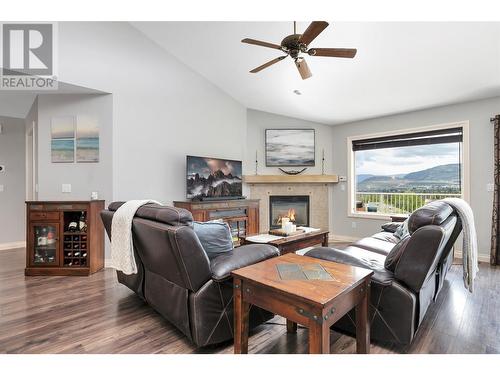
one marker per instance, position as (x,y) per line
(315,304)
(293,243)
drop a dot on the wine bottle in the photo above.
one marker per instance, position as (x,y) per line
(82,223)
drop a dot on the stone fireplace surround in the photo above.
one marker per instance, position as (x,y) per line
(318,201)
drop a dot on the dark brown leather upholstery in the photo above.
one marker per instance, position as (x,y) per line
(376,245)
(178,280)
(243,256)
(408,277)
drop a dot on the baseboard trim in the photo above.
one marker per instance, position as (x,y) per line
(339,238)
(12,245)
(480,257)
(108,263)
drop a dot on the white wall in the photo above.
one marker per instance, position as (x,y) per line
(31,127)
(478,113)
(162,110)
(12,208)
(83,177)
(258,122)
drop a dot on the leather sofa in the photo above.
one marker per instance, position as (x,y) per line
(178,280)
(408,274)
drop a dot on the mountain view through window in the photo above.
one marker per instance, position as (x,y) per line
(401,179)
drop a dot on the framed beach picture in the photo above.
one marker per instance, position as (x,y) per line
(87,140)
(63,139)
(290,147)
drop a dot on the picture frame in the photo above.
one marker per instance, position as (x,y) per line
(290,147)
(62,141)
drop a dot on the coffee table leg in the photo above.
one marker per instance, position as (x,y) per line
(319,338)
(325,240)
(291,327)
(241,310)
(363,323)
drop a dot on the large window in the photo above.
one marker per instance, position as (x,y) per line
(398,173)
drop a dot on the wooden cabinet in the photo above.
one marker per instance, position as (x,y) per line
(55,246)
(242,215)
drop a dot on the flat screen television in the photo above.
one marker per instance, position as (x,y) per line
(211,178)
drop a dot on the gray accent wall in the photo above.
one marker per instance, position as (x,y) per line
(162,110)
(83,177)
(12,156)
(258,122)
(478,114)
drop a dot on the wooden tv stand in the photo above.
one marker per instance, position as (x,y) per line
(242,215)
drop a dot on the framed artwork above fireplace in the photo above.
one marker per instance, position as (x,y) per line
(290,148)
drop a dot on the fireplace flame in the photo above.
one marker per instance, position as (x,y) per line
(290,215)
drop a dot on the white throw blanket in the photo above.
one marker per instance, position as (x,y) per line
(469,251)
(122,247)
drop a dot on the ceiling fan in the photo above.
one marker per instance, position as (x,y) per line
(296,44)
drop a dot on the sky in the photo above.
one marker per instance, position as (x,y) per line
(205,166)
(63,127)
(399,160)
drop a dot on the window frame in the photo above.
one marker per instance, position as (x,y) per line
(351,185)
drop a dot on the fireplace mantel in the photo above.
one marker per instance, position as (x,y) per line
(292,179)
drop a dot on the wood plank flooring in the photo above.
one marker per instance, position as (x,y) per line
(97,315)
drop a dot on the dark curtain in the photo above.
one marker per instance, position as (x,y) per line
(495,226)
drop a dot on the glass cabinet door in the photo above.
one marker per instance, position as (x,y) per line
(44,244)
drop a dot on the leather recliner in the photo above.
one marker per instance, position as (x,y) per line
(176,277)
(408,272)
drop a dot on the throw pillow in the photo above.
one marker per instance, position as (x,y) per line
(215,237)
(402,231)
(391,227)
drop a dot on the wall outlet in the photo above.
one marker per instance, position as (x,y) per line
(1,188)
(353,225)
(66,188)
(490,187)
(342,187)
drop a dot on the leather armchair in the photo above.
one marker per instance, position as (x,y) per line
(408,272)
(178,280)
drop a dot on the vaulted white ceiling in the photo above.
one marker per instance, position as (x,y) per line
(399,67)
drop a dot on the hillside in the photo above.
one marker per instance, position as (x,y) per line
(448,172)
(443,178)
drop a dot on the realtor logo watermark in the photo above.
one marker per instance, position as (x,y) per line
(28,56)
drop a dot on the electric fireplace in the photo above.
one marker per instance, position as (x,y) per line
(294,207)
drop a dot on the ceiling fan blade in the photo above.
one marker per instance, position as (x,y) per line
(267,64)
(314,29)
(333,52)
(304,71)
(260,43)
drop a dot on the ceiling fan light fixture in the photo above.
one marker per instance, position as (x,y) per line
(296,44)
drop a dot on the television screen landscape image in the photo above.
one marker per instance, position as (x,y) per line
(213,178)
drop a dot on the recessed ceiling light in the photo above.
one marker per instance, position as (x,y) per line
(297,92)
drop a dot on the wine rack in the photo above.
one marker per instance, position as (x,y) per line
(64,238)
(75,249)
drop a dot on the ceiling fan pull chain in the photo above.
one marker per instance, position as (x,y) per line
(295,27)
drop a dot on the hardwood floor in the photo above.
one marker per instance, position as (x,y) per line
(97,315)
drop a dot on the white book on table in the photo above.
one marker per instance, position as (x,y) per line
(308,229)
